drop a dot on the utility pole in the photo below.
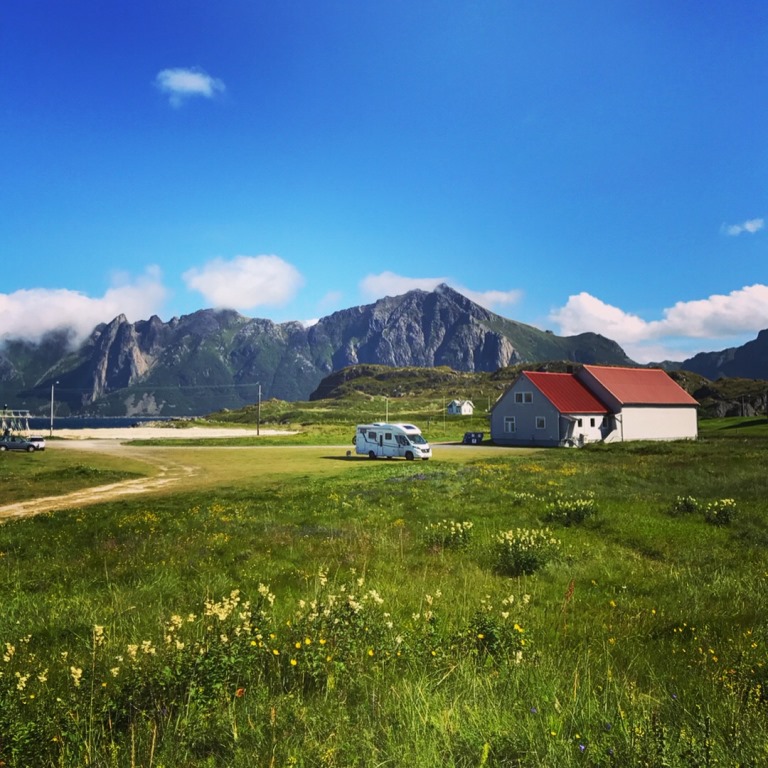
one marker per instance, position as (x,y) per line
(258,413)
(52,386)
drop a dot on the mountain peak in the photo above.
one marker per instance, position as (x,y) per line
(214,359)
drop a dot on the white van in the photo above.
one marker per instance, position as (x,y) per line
(389,440)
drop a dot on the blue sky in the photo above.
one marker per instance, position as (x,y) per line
(574,165)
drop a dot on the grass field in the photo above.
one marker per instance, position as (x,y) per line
(290,606)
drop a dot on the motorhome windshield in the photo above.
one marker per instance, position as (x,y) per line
(417,439)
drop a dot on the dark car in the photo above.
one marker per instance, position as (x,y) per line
(15,443)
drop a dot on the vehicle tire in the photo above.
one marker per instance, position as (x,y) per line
(409,456)
(31,449)
(2,447)
(371,454)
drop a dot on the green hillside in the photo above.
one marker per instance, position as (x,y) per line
(362,393)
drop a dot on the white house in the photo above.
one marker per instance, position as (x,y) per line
(598,403)
(461,407)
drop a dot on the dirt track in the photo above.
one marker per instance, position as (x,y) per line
(168,473)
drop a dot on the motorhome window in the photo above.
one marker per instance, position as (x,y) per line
(371,435)
(387,435)
(402,440)
(418,440)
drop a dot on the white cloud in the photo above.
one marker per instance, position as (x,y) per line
(751,226)
(245,282)
(389,284)
(331,299)
(492,300)
(181,84)
(741,311)
(375,287)
(682,330)
(28,314)
(583,313)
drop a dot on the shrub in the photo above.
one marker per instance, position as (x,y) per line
(448,534)
(524,550)
(570,510)
(720,512)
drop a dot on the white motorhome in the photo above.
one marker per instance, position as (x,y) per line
(390,440)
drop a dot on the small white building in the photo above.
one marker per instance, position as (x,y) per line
(461,407)
(599,403)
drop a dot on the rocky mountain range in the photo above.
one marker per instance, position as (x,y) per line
(749,361)
(214,359)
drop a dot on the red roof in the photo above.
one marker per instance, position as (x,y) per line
(640,386)
(565,392)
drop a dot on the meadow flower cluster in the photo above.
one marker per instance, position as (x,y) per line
(232,648)
(495,632)
(684,505)
(524,551)
(571,510)
(447,534)
(720,511)
(717,512)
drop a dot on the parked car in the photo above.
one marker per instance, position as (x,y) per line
(15,443)
(38,441)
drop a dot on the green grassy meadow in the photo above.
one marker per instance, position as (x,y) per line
(290,606)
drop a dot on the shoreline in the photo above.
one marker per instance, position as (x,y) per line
(149,433)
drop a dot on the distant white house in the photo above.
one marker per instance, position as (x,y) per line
(598,403)
(460,407)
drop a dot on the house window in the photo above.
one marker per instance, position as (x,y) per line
(592,422)
(541,422)
(523,397)
(578,422)
(509,423)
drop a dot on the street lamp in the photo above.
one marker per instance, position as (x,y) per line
(52,386)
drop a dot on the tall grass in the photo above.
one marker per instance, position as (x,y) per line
(312,622)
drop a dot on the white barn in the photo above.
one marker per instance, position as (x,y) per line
(645,402)
(599,403)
